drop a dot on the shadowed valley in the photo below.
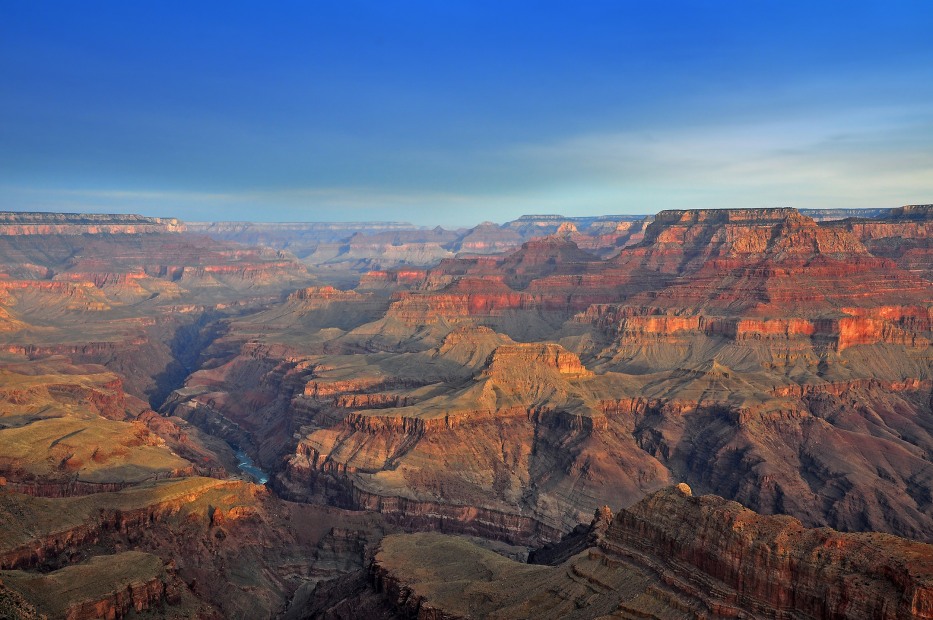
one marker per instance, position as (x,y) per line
(438,412)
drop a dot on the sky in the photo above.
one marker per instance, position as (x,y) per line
(455,112)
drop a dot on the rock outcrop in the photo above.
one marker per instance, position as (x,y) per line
(670,556)
(198,547)
(26,223)
(904,235)
(772,565)
(104,587)
(758,354)
(723,349)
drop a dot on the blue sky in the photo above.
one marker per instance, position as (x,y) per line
(456,112)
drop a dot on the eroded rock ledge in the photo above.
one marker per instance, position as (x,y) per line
(770,565)
(672,555)
(29,223)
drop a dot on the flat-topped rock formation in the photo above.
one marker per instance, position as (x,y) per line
(904,235)
(346,250)
(38,223)
(120,298)
(681,241)
(191,547)
(104,587)
(236,227)
(753,353)
(826,215)
(757,354)
(670,556)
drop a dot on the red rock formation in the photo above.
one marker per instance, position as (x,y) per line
(379,400)
(393,278)
(323,293)
(670,556)
(544,256)
(904,235)
(145,511)
(24,223)
(549,274)
(751,352)
(710,364)
(465,298)
(907,326)
(324,389)
(509,360)
(137,596)
(771,565)
(752,261)
(766,261)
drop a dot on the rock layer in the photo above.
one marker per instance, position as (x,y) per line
(670,556)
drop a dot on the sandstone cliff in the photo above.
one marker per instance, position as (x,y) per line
(752,353)
(25,223)
(670,556)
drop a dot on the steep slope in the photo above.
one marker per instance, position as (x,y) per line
(201,548)
(767,261)
(670,556)
(791,367)
(340,252)
(904,235)
(450,410)
(516,450)
(40,223)
(126,291)
(103,512)
(72,430)
(752,353)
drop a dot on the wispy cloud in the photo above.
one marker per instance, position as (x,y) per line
(879,156)
(860,158)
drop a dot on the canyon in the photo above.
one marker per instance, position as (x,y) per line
(749,390)
(670,555)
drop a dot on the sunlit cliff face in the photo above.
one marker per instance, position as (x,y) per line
(151,375)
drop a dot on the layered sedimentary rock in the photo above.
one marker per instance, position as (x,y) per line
(766,261)
(904,235)
(828,215)
(343,251)
(734,261)
(213,549)
(757,354)
(143,257)
(71,430)
(133,296)
(88,467)
(769,565)
(669,556)
(468,456)
(549,277)
(786,289)
(698,370)
(103,587)
(25,223)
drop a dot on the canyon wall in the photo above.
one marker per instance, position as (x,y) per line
(670,556)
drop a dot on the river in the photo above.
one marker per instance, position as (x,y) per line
(247,465)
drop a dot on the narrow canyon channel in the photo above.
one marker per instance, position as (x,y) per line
(247,466)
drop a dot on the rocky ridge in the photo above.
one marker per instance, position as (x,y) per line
(37,223)
(659,370)
(757,354)
(670,556)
